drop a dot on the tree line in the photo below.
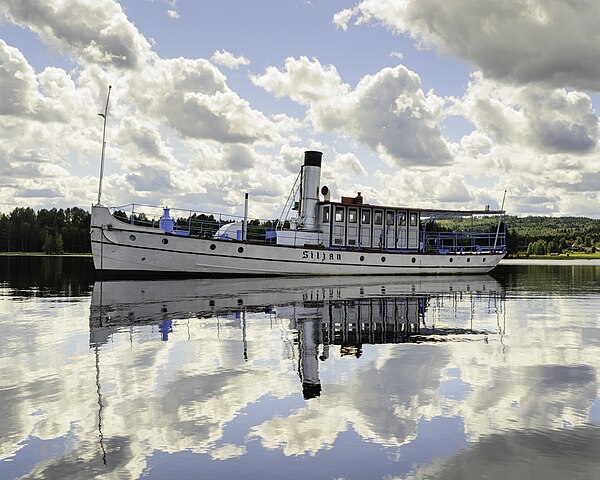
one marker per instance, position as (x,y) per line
(49,231)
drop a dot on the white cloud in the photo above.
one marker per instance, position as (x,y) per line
(546,119)
(192,95)
(92,32)
(388,111)
(442,188)
(17,82)
(238,157)
(173,14)
(545,41)
(303,80)
(228,59)
(540,143)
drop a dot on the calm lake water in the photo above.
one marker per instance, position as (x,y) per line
(474,377)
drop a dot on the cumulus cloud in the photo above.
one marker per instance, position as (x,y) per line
(547,41)
(92,32)
(303,80)
(437,188)
(238,157)
(173,14)
(228,59)
(538,142)
(349,162)
(388,110)
(17,81)
(547,119)
(175,107)
(193,96)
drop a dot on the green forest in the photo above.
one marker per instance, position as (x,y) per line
(552,235)
(58,231)
(538,235)
(49,231)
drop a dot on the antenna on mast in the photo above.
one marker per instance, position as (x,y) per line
(104,115)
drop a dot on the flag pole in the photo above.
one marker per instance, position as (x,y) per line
(105,116)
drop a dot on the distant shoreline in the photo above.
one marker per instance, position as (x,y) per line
(560,257)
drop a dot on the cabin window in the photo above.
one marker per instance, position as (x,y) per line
(413,219)
(325,214)
(366,217)
(339,214)
(402,219)
(378,217)
(352,215)
(389,218)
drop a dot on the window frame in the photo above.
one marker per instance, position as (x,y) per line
(376,214)
(367,212)
(325,217)
(350,216)
(414,219)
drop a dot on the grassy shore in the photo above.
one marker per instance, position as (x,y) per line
(560,256)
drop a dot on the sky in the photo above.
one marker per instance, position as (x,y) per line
(423,103)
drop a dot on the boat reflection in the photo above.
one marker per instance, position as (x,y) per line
(322,312)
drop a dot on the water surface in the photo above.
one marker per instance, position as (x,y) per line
(395,377)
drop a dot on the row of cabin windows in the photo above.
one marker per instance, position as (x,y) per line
(366,216)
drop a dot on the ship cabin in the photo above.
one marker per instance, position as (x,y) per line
(353,224)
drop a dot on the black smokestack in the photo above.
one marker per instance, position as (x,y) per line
(312,158)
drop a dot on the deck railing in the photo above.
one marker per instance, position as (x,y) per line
(195,223)
(462,242)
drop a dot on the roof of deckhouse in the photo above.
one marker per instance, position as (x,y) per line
(431,211)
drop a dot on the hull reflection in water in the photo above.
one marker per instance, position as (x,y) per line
(322,312)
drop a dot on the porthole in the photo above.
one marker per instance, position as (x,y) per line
(383,259)
(362,258)
(241,250)
(483,259)
(165,241)
(132,238)
(240,301)
(143,259)
(212,246)
(413,259)
(211,303)
(468,260)
(451,259)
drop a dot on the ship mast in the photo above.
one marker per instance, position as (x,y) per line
(104,115)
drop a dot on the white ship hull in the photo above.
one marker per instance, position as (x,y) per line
(122,249)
